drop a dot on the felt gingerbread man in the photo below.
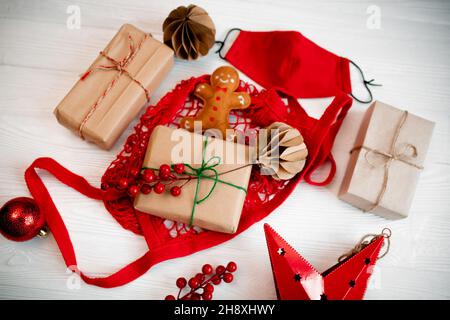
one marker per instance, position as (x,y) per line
(218,99)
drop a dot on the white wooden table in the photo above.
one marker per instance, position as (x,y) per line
(406,50)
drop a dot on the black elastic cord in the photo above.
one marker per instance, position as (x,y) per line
(366,83)
(222,43)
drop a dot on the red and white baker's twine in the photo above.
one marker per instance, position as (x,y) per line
(117,65)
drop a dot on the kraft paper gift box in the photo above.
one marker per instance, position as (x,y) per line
(116,86)
(386,162)
(221,211)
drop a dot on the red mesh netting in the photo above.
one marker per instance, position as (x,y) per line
(262,190)
(168,239)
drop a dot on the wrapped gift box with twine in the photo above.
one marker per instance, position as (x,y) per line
(386,161)
(214,186)
(116,86)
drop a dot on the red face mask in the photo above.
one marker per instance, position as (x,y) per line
(291,64)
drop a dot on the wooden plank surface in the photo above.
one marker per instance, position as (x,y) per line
(40,59)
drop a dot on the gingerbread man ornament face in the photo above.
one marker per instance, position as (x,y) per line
(218,99)
(225,77)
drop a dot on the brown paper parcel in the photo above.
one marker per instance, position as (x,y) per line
(99,117)
(221,211)
(386,162)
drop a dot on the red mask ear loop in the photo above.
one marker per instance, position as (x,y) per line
(328,179)
(222,43)
(327,128)
(366,84)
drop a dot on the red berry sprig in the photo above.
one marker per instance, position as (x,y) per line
(146,180)
(204,281)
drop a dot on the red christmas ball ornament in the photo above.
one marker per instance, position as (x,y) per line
(159,188)
(164,171)
(146,189)
(231,266)
(21,219)
(179,168)
(175,191)
(148,175)
(133,190)
(227,277)
(123,183)
(181,282)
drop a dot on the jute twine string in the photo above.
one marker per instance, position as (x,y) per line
(365,241)
(120,67)
(405,155)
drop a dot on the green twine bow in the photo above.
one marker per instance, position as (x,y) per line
(199,173)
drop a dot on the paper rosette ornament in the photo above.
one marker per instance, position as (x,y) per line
(189,31)
(284,154)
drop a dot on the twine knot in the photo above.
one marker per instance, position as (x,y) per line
(207,170)
(365,241)
(199,174)
(406,154)
(120,67)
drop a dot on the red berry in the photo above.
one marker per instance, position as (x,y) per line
(207,295)
(175,191)
(159,187)
(148,175)
(208,288)
(216,280)
(195,296)
(207,269)
(227,277)
(220,269)
(123,183)
(200,277)
(181,282)
(170,297)
(133,190)
(231,266)
(146,189)
(164,171)
(179,168)
(134,172)
(193,283)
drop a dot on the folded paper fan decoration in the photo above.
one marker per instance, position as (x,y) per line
(296,279)
(284,154)
(189,31)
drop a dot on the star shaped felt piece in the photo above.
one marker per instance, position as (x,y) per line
(296,279)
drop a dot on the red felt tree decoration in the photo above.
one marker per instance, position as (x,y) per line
(296,279)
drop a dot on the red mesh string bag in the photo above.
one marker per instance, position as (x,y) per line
(168,239)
